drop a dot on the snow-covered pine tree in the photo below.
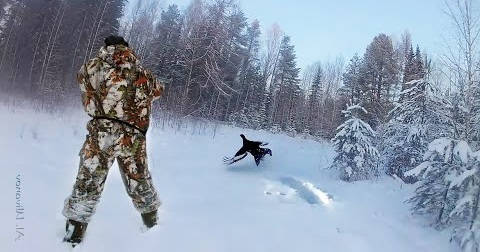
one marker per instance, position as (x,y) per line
(258,113)
(352,86)
(167,45)
(466,215)
(313,102)
(379,75)
(357,156)
(473,125)
(449,191)
(419,68)
(433,197)
(460,115)
(257,100)
(285,85)
(240,118)
(421,116)
(409,69)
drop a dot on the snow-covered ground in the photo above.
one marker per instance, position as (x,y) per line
(289,203)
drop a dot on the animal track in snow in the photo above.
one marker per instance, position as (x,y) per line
(307,191)
(291,188)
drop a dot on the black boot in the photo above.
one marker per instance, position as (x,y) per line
(150,219)
(74,232)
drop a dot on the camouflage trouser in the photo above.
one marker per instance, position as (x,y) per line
(106,141)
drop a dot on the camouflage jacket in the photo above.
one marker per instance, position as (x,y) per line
(114,85)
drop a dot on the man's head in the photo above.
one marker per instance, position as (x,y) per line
(115,40)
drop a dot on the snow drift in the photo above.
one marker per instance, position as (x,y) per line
(291,202)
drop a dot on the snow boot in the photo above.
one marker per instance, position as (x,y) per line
(150,219)
(75,231)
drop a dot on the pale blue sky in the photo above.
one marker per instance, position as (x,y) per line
(324,29)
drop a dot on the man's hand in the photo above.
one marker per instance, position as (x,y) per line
(157,87)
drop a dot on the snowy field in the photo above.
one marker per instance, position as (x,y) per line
(288,203)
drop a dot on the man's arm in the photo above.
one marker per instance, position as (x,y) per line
(86,89)
(82,79)
(156,87)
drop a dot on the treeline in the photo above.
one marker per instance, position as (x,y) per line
(216,63)
(218,67)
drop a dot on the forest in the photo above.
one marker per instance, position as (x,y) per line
(391,110)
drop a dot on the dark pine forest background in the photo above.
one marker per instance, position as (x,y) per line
(218,65)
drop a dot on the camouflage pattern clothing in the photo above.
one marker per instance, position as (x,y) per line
(114,86)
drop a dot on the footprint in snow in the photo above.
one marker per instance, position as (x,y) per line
(307,191)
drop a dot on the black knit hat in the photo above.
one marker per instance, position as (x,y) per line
(115,40)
